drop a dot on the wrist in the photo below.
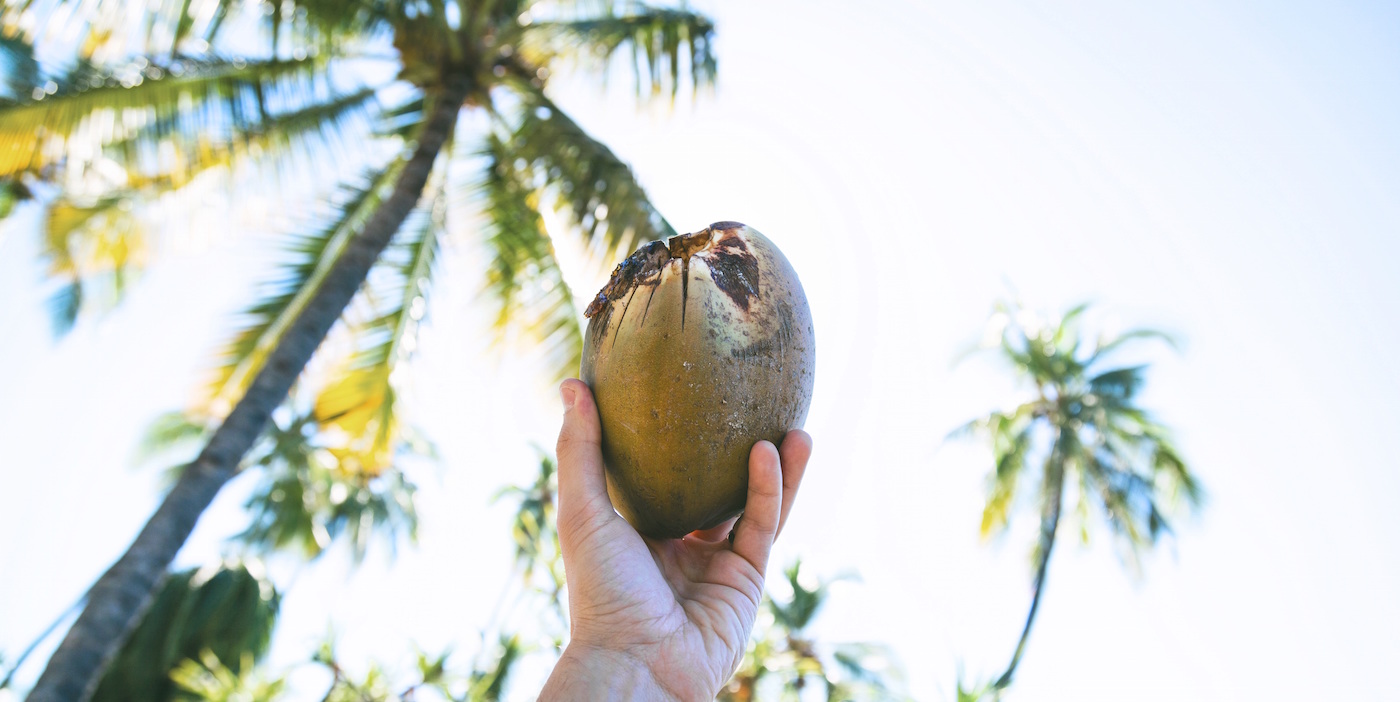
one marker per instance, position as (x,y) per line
(590,673)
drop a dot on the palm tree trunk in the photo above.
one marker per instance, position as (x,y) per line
(1049,522)
(119,598)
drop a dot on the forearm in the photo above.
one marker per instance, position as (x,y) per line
(593,674)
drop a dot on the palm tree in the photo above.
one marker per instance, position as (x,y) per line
(1081,429)
(124,126)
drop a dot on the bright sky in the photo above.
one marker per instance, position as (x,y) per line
(1225,173)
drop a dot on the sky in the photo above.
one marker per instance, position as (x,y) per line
(1224,171)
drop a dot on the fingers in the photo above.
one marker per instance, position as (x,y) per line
(583,489)
(754,534)
(796,449)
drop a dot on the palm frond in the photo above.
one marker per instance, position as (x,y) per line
(1171,476)
(1011,442)
(1118,386)
(662,42)
(309,497)
(300,131)
(99,246)
(535,532)
(13,191)
(523,275)
(585,178)
(209,679)
(93,108)
(488,684)
(20,69)
(361,401)
(1066,334)
(799,611)
(228,610)
(867,672)
(312,258)
(1126,498)
(96,248)
(170,432)
(1108,345)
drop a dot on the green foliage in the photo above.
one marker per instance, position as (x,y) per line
(21,71)
(312,492)
(535,529)
(662,41)
(488,683)
(161,124)
(13,191)
(584,177)
(523,275)
(311,260)
(98,248)
(136,107)
(210,680)
(976,693)
(783,659)
(221,614)
(361,401)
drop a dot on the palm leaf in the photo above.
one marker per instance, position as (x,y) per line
(102,244)
(97,248)
(1117,387)
(802,607)
(1012,442)
(535,532)
(12,192)
(20,69)
(523,275)
(300,131)
(210,680)
(585,178)
(361,401)
(1170,473)
(310,496)
(228,610)
(1108,345)
(1066,334)
(95,108)
(312,258)
(1126,498)
(662,42)
(488,684)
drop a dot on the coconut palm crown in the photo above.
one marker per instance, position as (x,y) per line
(111,111)
(1081,431)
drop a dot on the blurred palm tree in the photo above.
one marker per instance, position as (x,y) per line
(164,94)
(1082,430)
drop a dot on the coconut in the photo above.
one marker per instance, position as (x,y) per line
(697,348)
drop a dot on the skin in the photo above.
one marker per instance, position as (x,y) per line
(659,619)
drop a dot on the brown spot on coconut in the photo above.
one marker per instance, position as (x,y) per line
(718,355)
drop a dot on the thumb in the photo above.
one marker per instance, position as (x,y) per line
(583,490)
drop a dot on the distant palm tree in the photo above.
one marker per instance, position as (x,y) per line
(165,93)
(1080,430)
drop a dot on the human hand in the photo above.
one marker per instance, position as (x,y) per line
(659,619)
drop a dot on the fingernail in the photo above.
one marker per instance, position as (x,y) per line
(568,394)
